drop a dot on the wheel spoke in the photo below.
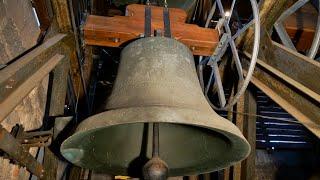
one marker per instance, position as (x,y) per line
(236,59)
(231,42)
(316,39)
(221,96)
(291,10)
(209,82)
(242,30)
(285,39)
(212,11)
(231,11)
(220,7)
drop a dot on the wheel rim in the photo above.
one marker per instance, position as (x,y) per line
(244,81)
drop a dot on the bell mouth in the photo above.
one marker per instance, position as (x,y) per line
(124,148)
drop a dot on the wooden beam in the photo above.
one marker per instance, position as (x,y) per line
(42,14)
(17,94)
(119,30)
(62,15)
(240,106)
(249,132)
(270,11)
(18,72)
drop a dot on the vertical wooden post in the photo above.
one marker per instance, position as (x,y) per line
(249,131)
(56,108)
(62,15)
(239,123)
(246,122)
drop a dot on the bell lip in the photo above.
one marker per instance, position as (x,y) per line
(218,124)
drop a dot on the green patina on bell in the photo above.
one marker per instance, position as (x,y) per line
(156,82)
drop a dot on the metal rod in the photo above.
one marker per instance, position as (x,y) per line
(155,144)
(147,21)
(166,20)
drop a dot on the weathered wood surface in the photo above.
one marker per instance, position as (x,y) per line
(240,107)
(118,30)
(18,29)
(249,132)
(18,33)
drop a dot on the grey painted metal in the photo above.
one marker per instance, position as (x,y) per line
(243,29)
(284,37)
(221,95)
(211,13)
(156,83)
(244,81)
(316,40)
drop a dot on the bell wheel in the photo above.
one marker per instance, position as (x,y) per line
(291,18)
(219,72)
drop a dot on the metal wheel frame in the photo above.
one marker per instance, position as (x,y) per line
(220,50)
(284,37)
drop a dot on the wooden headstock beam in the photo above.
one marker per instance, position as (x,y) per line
(119,30)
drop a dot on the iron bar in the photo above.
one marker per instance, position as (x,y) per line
(147,21)
(155,144)
(166,20)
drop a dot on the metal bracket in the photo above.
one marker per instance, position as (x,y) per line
(220,50)
(32,139)
(220,25)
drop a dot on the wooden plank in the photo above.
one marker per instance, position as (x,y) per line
(16,73)
(249,132)
(288,77)
(59,87)
(17,94)
(62,15)
(118,30)
(50,165)
(240,107)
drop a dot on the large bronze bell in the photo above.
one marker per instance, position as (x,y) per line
(156,83)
